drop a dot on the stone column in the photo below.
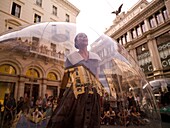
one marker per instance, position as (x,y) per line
(21,86)
(154,18)
(167,4)
(129,36)
(140,27)
(162,19)
(43,87)
(155,58)
(146,22)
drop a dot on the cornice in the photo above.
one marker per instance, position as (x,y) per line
(144,14)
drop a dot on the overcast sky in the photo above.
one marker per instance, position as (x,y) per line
(97,13)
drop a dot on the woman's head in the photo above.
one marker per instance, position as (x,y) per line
(81,40)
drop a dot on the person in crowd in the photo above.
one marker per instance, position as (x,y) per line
(131,100)
(20,104)
(44,102)
(48,107)
(32,102)
(55,103)
(26,105)
(39,103)
(9,112)
(112,116)
(102,116)
(106,118)
(123,117)
(82,110)
(106,102)
(136,117)
(37,115)
(0,113)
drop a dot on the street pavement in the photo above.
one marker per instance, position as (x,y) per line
(24,123)
(164,125)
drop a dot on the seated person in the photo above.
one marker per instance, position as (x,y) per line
(102,115)
(112,116)
(106,118)
(37,116)
(123,117)
(136,117)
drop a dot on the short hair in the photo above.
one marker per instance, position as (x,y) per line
(75,40)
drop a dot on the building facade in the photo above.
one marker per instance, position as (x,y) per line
(23,12)
(145,32)
(39,73)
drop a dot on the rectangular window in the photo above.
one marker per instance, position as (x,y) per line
(165,14)
(159,18)
(37,18)
(16,10)
(10,28)
(144,59)
(39,2)
(123,40)
(54,10)
(133,32)
(152,22)
(126,38)
(143,27)
(67,18)
(138,29)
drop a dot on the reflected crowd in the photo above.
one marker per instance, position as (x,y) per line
(35,111)
(122,113)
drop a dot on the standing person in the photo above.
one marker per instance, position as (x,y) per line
(9,111)
(44,102)
(20,104)
(26,105)
(131,100)
(82,111)
(0,113)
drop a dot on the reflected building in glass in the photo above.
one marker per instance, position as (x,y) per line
(144,30)
(20,72)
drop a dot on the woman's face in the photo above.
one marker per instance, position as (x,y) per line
(82,40)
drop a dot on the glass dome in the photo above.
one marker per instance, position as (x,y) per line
(37,53)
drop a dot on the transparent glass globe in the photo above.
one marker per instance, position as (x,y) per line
(35,49)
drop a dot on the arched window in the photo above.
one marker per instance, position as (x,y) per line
(52,76)
(32,73)
(7,69)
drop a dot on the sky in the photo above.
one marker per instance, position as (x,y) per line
(96,14)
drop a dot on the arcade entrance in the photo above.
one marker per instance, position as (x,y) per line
(5,89)
(32,90)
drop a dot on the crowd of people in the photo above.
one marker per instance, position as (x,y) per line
(42,108)
(122,113)
(34,110)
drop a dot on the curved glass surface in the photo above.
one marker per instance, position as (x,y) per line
(40,52)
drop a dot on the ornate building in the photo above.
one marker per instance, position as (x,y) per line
(41,72)
(145,32)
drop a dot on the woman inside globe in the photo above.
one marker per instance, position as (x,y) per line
(79,106)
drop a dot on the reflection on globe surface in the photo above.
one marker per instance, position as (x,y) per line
(32,63)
